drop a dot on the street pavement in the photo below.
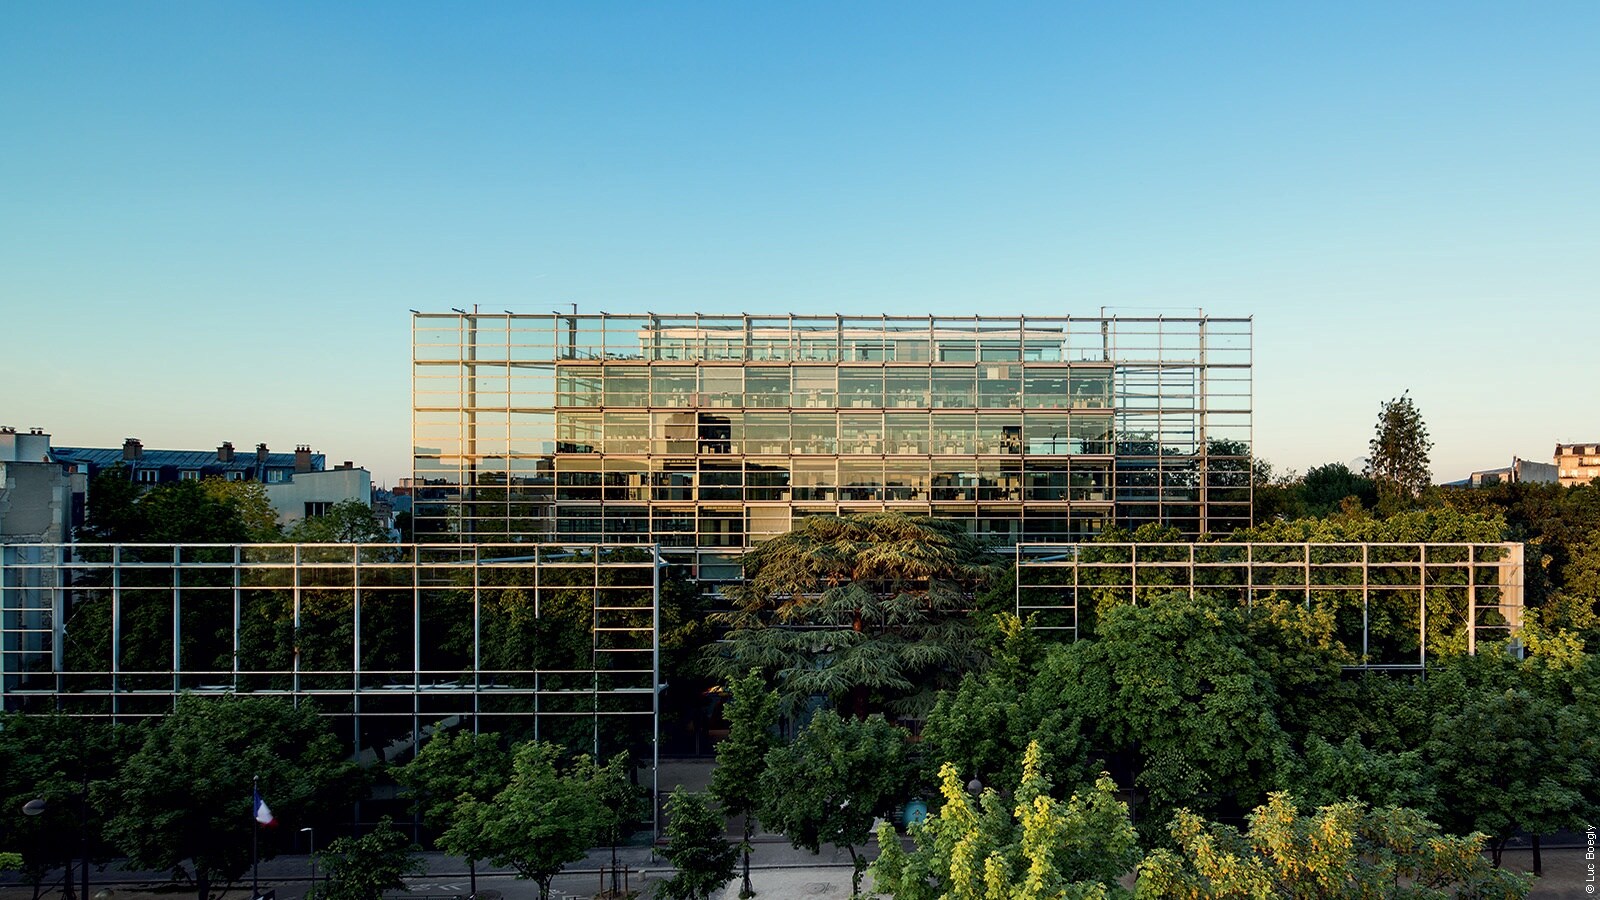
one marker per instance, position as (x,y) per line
(779,872)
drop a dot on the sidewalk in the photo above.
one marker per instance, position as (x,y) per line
(778,872)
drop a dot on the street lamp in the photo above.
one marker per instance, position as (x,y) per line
(975,788)
(312,842)
(38,805)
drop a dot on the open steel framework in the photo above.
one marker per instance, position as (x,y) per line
(555,641)
(705,434)
(1391,602)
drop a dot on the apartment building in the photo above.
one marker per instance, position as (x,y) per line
(1577,463)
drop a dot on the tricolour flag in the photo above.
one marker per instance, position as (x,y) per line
(262,812)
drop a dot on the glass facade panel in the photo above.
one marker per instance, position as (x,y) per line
(955,388)
(861,387)
(767,386)
(906,387)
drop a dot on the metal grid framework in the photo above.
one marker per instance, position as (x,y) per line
(1392,603)
(390,641)
(705,434)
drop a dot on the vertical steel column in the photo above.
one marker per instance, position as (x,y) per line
(655,696)
(294,599)
(355,653)
(1366,605)
(1422,605)
(177,621)
(594,644)
(116,631)
(416,657)
(238,566)
(477,646)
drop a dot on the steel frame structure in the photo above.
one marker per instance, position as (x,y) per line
(705,434)
(391,641)
(1455,594)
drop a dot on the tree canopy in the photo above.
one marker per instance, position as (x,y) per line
(696,848)
(1344,850)
(181,803)
(546,816)
(835,779)
(868,611)
(752,714)
(1035,847)
(1397,456)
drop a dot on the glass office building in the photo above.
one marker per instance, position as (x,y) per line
(704,434)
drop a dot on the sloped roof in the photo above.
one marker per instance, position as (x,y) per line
(243,460)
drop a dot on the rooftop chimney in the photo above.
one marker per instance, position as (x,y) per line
(302,459)
(225,452)
(261,454)
(132,449)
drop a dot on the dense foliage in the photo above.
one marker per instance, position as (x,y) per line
(868,611)
(704,859)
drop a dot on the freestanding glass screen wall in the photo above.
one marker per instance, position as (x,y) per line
(389,641)
(704,434)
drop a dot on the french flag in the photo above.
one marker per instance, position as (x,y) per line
(262,812)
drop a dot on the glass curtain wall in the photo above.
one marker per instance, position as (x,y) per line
(715,431)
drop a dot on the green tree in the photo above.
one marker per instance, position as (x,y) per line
(1325,487)
(545,817)
(984,726)
(1039,848)
(448,768)
(346,522)
(1349,771)
(53,757)
(833,781)
(250,503)
(704,859)
(1175,688)
(120,511)
(1511,751)
(1397,457)
(622,804)
(182,801)
(869,611)
(752,714)
(364,868)
(1341,851)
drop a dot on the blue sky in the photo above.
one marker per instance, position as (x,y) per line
(214,217)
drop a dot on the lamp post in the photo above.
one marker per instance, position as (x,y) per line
(312,843)
(37,807)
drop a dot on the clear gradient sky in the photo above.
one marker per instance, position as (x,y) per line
(215,216)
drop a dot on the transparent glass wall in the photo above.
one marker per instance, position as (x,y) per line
(624,428)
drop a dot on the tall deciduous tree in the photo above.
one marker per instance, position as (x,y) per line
(1173,686)
(1038,847)
(704,859)
(448,768)
(1513,747)
(833,781)
(1343,850)
(364,868)
(545,817)
(1397,457)
(182,801)
(752,713)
